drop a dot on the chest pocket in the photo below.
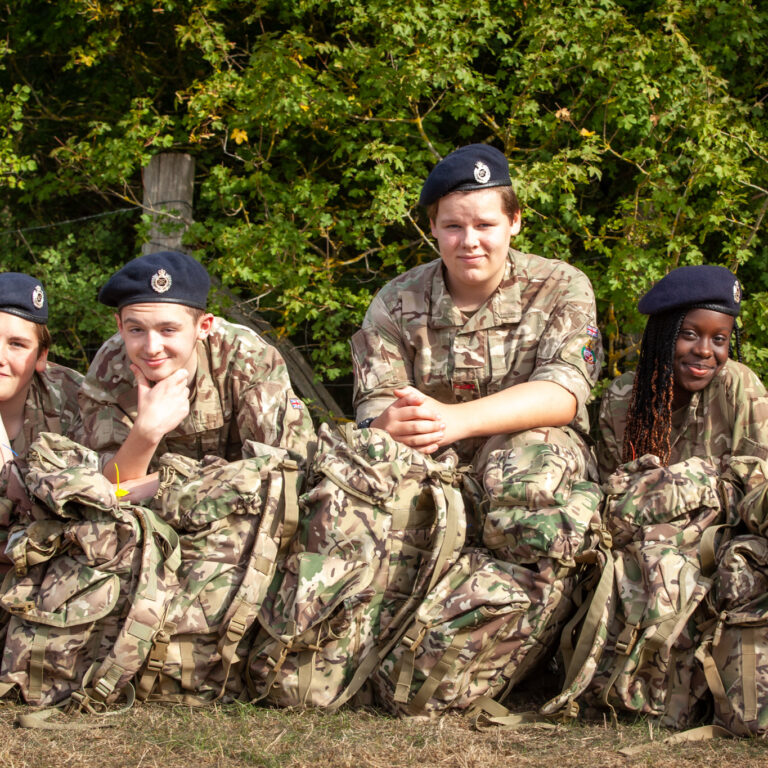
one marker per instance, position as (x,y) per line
(471,369)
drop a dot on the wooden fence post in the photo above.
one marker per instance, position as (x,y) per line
(169,182)
(169,185)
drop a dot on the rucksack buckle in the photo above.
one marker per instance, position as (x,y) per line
(626,640)
(22,607)
(236,629)
(413,641)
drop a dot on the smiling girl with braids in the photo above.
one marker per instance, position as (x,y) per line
(686,398)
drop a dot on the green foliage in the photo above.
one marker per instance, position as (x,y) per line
(635,130)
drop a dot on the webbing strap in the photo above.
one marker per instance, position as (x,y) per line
(707,549)
(749,673)
(290,505)
(155,662)
(236,628)
(592,622)
(712,674)
(488,713)
(172,548)
(37,662)
(105,685)
(187,654)
(703,733)
(276,658)
(41,720)
(451,540)
(436,675)
(404,668)
(306,666)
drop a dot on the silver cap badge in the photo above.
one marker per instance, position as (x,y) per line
(38,297)
(482,172)
(161,281)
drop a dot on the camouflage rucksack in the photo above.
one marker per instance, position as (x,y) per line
(734,648)
(476,634)
(636,646)
(381,524)
(231,518)
(91,580)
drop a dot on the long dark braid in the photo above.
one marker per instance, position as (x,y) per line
(649,416)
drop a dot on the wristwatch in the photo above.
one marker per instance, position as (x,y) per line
(365,423)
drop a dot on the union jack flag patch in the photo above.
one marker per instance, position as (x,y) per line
(296,403)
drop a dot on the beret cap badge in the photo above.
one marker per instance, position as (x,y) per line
(482,172)
(38,297)
(736,291)
(161,281)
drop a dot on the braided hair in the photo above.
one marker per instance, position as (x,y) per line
(649,415)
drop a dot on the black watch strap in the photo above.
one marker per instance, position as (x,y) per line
(365,423)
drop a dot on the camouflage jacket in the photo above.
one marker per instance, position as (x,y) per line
(241,392)
(51,406)
(539,325)
(728,418)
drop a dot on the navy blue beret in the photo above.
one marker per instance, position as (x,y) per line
(702,286)
(24,296)
(475,166)
(165,276)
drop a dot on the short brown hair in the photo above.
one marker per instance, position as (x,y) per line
(509,202)
(44,338)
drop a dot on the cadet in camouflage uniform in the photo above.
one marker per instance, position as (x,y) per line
(35,395)
(486,348)
(176,378)
(687,398)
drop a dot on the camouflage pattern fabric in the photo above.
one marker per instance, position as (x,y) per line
(637,644)
(734,650)
(380,525)
(90,583)
(241,392)
(483,626)
(539,325)
(748,475)
(647,665)
(728,418)
(540,503)
(51,406)
(647,501)
(230,517)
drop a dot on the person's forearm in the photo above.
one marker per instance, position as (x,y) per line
(133,458)
(141,489)
(524,406)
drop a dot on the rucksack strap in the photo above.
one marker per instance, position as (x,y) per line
(488,712)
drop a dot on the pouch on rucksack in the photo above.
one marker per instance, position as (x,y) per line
(381,524)
(90,583)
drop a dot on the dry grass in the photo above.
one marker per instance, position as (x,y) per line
(242,735)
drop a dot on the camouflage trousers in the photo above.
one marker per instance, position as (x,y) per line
(539,498)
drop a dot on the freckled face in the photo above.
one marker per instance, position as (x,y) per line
(162,338)
(473,233)
(701,351)
(19,357)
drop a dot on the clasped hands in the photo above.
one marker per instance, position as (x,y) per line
(420,421)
